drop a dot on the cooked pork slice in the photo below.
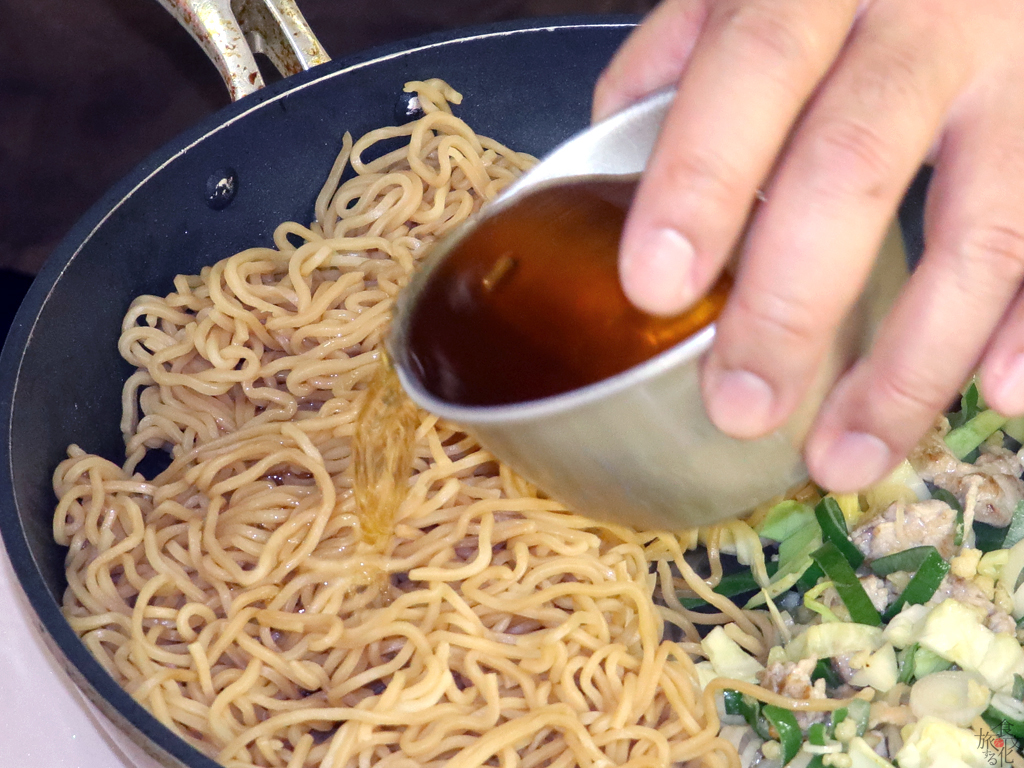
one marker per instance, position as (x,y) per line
(969,593)
(994,479)
(793,680)
(879,591)
(902,526)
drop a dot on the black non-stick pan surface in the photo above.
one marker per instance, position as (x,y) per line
(527,84)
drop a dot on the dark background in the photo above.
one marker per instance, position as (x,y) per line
(89,88)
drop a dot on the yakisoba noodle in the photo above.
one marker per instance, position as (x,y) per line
(234,595)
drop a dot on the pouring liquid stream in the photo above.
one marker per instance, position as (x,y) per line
(529,303)
(383,449)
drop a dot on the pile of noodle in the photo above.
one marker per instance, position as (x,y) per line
(236,596)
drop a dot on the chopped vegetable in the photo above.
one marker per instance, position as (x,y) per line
(860,712)
(794,560)
(907,560)
(816,734)
(1010,577)
(809,577)
(905,663)
(970,435)
(954,503)
(1015,429)
(843,578)
(784,519)
(927,662)
(788,730)
(812,603)
(826,641)
(728,658)
(730,586)
(879,671)
(863,756)
(955,632)
(833,529)
(849,505)
(931,741)
(1006,715)
(824,670)
(991,563)
(732,701)
(1018,688)
(988,538)
(750,708)
(922,586)
(902,485)
(971,405)
(954,696)
(1015,530)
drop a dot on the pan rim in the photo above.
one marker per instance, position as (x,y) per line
(132,719)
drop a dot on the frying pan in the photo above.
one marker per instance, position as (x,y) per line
(527,84)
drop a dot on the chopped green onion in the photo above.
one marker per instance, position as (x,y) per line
(750,708)
(732,701)
(1018,687)
(809,578)
(824,670)
(730,586)
(787,728)
(1005,715)
(970,402)
(859,711)
(784,519)
(840,572)
(954,503)
(951,501)
(907,560)
(922,586)
(988,538)
(928,662)
(1015,429)
(971,405)
(967,437)
(795,549)
(816,734)
(1015,530)
(905,663)
(833,529)
(818,761)
(794,560)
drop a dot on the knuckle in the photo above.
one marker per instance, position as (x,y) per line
(993,249)
(896,76)
(706,175)
(780,321)
(765,35)
(859,161)
(909,392)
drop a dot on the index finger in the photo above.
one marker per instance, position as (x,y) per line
(753,67)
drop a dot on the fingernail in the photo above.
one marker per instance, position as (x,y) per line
(1008,392)
(852,462)
(658,277)
(739,402)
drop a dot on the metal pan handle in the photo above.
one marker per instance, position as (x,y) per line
(232,31)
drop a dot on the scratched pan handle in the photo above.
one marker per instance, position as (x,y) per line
(233,31)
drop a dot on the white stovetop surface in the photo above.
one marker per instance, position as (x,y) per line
(44,721)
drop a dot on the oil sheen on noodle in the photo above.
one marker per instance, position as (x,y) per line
(231,594)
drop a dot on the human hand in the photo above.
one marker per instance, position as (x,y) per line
(830,108)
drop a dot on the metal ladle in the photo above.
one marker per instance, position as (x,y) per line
(637,447)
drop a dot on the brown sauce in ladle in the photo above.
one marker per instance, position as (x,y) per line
(529,304)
